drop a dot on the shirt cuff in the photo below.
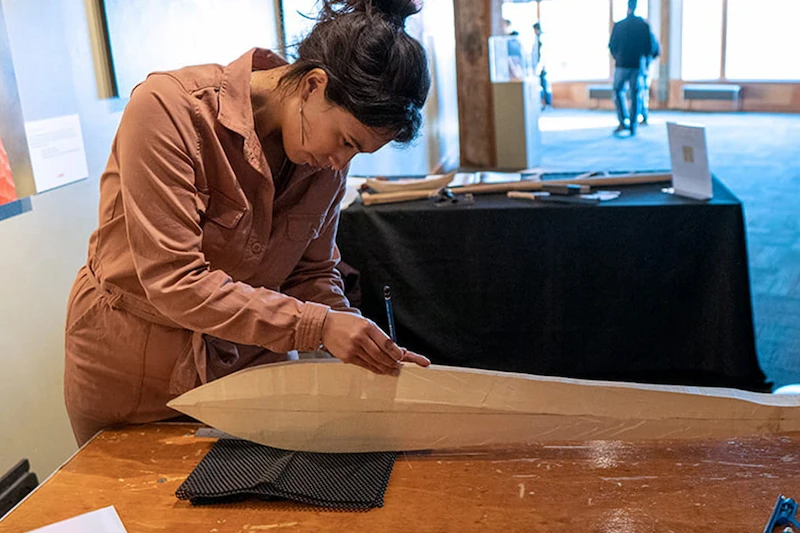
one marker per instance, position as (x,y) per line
(309,329)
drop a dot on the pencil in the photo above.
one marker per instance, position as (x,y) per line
(387,300)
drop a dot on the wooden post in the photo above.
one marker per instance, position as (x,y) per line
(663,64)
(612,64)
(475,21)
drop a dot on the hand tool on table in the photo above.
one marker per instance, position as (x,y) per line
(522,185)
(783,515)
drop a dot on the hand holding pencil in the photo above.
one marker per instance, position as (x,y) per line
(359,341)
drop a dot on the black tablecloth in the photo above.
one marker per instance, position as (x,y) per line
(648,287)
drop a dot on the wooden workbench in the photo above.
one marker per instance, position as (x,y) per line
(586,486)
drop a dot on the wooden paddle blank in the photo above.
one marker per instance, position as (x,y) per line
(521,185)
(334,407)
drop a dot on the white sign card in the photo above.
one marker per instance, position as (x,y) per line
(691,176)
(105,520)
(57,153)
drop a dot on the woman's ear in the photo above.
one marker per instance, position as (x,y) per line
(315,82)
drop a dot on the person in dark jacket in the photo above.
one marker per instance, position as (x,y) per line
(647,78)
(630,45)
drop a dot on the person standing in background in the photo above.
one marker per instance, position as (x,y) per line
(514,50)
(630,45)
(541,71)
(647,78)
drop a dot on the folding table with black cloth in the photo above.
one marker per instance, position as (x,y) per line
(649,287)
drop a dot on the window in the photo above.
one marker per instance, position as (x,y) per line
(575,37)
(299,17)
(575,33)
(761,40)
(701,48)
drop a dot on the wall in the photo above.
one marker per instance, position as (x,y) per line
(43,249)
(764,97)
(755,96)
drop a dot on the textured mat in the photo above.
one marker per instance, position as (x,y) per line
(236,469)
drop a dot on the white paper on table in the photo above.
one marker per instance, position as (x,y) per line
(603,196)
(57,153)
(105,520)
(688,153)
(462,179)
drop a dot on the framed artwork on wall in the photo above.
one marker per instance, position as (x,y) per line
(146,36)
(16,175)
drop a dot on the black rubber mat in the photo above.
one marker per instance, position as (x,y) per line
(237,469)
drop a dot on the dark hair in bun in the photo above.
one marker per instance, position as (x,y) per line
(376,71)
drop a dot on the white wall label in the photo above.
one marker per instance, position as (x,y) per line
(57,153)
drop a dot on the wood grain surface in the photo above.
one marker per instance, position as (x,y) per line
(586,486)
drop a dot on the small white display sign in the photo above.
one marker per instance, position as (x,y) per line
(57,153)
(691,176)
(105,520)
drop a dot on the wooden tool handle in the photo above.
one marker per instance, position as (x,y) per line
(519,195)
(391,197)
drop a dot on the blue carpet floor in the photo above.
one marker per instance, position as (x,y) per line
(757,155)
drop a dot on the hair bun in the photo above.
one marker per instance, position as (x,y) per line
(396,10)
(393,11)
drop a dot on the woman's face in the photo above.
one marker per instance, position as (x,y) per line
(321,134)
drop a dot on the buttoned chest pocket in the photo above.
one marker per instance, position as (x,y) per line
(303,228)
(222,230)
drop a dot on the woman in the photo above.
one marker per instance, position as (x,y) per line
(215,248)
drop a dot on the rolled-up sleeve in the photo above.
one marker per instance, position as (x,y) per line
(158,150)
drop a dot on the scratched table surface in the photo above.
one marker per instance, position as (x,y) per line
(587,486)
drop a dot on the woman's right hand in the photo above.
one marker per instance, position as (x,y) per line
(357,340)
